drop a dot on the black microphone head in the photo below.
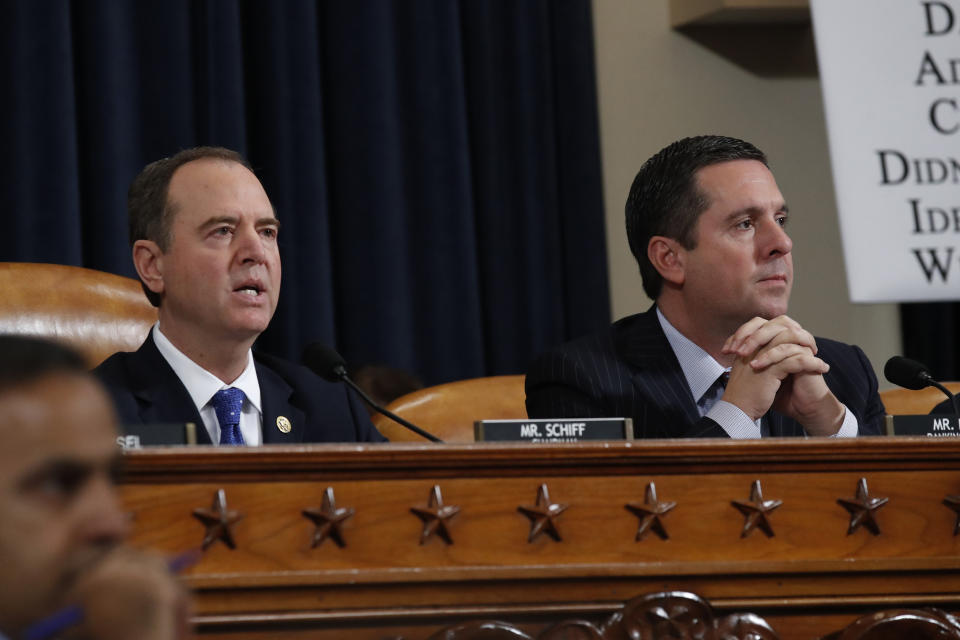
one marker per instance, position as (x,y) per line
(324,361)
(907,373)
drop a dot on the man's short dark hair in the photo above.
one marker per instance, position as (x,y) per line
(665,200)
(150,212)
(24,359)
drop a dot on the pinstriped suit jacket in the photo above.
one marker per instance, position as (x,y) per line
(629,370)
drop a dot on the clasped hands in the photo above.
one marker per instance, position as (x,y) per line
(777,367)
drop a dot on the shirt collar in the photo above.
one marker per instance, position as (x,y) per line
(699,368)
(200,383)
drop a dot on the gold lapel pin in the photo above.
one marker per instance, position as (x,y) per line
(283,424)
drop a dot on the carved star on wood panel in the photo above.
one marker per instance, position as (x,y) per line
(219,521)
(954,503)
(649,513)
(755,511)
(543,515)
(435,516)
(862,509)
(328,520)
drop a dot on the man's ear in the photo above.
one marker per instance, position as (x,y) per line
(668,258)
(148,260)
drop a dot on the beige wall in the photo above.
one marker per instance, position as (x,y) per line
(656,85)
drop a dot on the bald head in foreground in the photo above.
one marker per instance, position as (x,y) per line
(716,355)
(61,523)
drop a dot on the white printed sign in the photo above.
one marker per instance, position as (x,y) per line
(890,71)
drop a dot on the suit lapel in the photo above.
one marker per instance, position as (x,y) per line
(658,377)
(278,412)
(160,394)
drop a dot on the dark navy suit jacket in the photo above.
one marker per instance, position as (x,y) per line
(146,390)
(629,370)
(944,408)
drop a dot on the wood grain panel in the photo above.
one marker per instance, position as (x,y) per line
(384,576)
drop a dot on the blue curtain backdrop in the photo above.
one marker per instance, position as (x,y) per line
(435,163)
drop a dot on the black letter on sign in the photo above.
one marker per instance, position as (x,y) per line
(935,120)
(904,167)
(927,6)
(929,66)
(935,264)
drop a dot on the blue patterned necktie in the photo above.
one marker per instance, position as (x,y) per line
(714,393)
(228,404)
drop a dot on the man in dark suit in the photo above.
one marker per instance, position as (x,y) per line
(204,237)
(716,355)
(62,525)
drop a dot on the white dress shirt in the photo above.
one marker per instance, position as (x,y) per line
(701,371)
(203,385)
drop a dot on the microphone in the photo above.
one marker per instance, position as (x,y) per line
(910,374)
(327,363)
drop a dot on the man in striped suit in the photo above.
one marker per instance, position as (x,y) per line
(716,355)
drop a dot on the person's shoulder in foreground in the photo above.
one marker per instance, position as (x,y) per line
(946,407)
(204,241)
(61,521)
(717,355)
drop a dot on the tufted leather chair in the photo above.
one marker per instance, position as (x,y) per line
(95,312)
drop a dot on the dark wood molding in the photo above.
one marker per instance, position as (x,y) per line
(686,13)
(770,38)
(176,464)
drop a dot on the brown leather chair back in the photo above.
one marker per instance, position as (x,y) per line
(449,410)
(95,312)
(906,402)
